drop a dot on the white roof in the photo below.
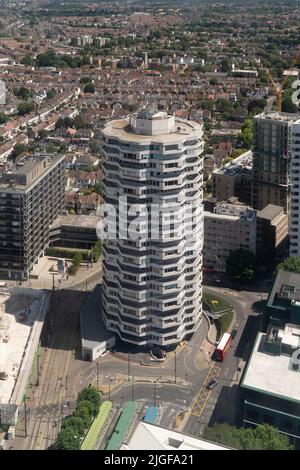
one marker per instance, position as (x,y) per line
(272,374)
(151,437)
(224,340)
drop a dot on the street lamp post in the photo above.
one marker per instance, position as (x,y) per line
(128,361)
(97,376)
(154,393)
(132,389)
(175,367)
(25,418)
(38,369)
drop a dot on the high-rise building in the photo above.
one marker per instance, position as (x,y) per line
(31,196)
(295,192)
(152,285)
(272,159)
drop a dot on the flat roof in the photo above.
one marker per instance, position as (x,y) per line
(28,171)
(241,164)
(122,130)
(278,116)
(271,374)
(286,285)
(148,436)
(270,212)
(76,220)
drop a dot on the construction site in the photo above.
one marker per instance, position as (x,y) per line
(22,314)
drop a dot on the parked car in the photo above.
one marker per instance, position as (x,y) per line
(233,333)
(212,384)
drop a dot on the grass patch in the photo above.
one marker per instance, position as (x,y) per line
(223,323)
(215,304)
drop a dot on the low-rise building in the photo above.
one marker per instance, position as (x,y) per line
(271,382)
(228,228)
(148,436)
(74,231)
(283,304)
(96,340)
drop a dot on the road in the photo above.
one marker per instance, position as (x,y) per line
(222,403)
(176,385)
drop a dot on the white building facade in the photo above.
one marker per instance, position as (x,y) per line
(229,228)
(152,284)
(295,192)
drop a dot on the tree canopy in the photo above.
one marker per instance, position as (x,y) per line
(292,263)
(75,426)
(263,437)
(241,265)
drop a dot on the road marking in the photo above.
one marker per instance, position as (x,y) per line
(204,394)
(226,371)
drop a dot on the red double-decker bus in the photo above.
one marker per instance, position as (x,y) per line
(223,347)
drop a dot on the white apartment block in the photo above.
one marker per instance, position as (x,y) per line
(230,227)
(152,286)
(295,192)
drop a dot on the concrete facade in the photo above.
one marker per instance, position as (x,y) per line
(152,286)
(228,228)
(295,197)
(31,197)
(272,159)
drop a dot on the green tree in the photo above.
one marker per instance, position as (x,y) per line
(98,188)
(85,80)
(96,251)
(80,123)
(89,88)
(46,59)
(225,65)
(292,263)
(51,93)
(263,437)
(241,265)
(246,135)
(73,424)
(23,93)
(85,411)
(92,396)
(18,149)
(94,146)
(3,118)
(67,440)
(77,259)
(25,108)
(27,59)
